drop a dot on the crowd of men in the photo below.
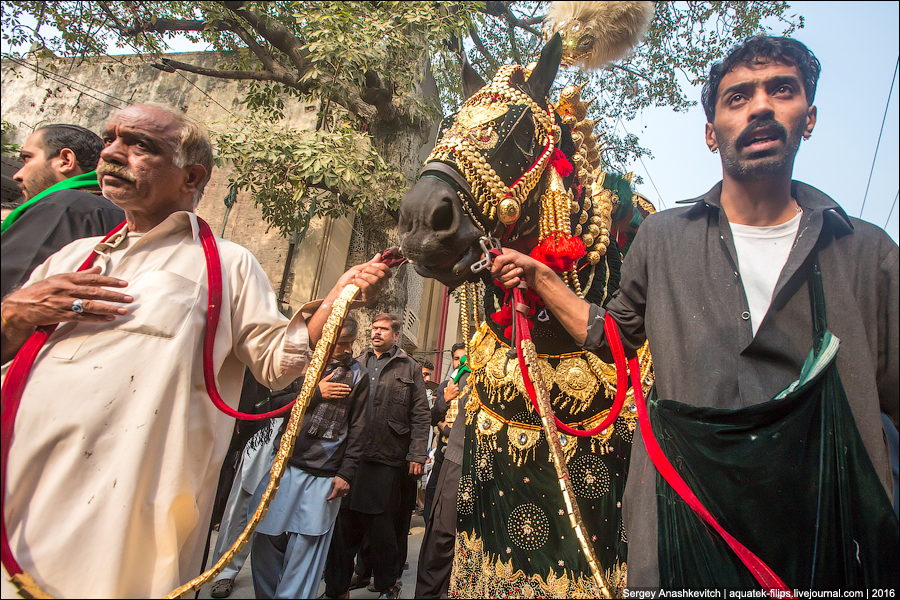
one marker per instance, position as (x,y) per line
(116,451)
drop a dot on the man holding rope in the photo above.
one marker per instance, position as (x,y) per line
(733,292)
(116,447)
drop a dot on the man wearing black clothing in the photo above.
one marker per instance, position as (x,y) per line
(436,556)
(446,393)
(394,453)
(63,201)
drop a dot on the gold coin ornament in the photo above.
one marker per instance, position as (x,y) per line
(575,380)
(484,346)
(508,211)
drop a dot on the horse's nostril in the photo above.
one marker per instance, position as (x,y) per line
(442,219)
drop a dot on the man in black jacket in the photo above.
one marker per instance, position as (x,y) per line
(393,454)
(62,200)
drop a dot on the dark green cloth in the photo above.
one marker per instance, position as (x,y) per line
(790,479)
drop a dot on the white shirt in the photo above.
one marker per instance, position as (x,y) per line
(762,253)
(117,446)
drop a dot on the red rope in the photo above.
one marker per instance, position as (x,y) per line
(214,301)
(10,396)
(770,582)
(20,369)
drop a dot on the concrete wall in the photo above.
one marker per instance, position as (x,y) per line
(69,91)
(38,92)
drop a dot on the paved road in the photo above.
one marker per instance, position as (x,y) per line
(243,584)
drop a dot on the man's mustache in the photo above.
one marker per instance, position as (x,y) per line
(106,168)
(748,134)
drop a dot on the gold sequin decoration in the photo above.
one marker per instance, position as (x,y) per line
(465,497)
(577,382)
(548,373)
(589,476)
(484,463)
(569,445)
(479,574)
(473,115)
(528,527)
(605,372)
(487,426)
(483,349)
(522,442)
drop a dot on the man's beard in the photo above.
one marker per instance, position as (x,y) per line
(40,181)
(777,162)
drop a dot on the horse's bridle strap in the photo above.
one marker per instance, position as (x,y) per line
(450,175)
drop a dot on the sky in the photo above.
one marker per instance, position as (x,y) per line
(857,45)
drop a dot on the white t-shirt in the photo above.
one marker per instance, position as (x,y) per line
(762,253)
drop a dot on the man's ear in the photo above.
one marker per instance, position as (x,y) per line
(196,175)
(811,113)
(711,141)
(66,164)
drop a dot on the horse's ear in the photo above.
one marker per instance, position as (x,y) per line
(544,72)
(471,80)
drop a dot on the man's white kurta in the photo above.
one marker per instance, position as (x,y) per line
(117,446)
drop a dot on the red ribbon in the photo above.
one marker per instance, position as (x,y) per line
(523,332)
(20,369)
(770,582)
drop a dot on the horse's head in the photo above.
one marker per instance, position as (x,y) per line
(481,180)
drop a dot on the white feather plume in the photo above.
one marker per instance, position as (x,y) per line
(596,33)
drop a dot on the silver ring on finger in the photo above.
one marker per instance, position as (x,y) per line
(78,306)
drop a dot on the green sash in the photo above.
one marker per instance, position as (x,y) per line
(85,180)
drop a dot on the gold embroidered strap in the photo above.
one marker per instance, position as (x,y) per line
(529,354)
(285,451)
(27,586)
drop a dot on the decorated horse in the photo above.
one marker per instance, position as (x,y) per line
(548,425)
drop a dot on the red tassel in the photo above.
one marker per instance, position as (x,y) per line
(562,164)
(559,253)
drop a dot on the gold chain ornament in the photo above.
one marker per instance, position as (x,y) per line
(548,423)
(313,374)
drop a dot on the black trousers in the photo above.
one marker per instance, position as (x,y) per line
(432,483)
(408,489)
(350,529)
(436,555)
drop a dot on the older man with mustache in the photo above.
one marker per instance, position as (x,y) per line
(116,447)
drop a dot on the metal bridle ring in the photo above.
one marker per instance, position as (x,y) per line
(78,306)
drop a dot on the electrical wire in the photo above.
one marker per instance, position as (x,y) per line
(70,82)
(893,206)
(890,93)
(646,170)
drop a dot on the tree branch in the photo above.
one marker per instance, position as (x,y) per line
(511,31)
(379,96)
(261,53)
(174,65)
(501,9)
(627,70)
(273,32)
(476,39)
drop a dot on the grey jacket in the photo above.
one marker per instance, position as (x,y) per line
(681,289)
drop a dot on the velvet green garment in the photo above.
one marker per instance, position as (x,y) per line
(789,478)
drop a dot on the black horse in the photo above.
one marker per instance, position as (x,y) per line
(511,169)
